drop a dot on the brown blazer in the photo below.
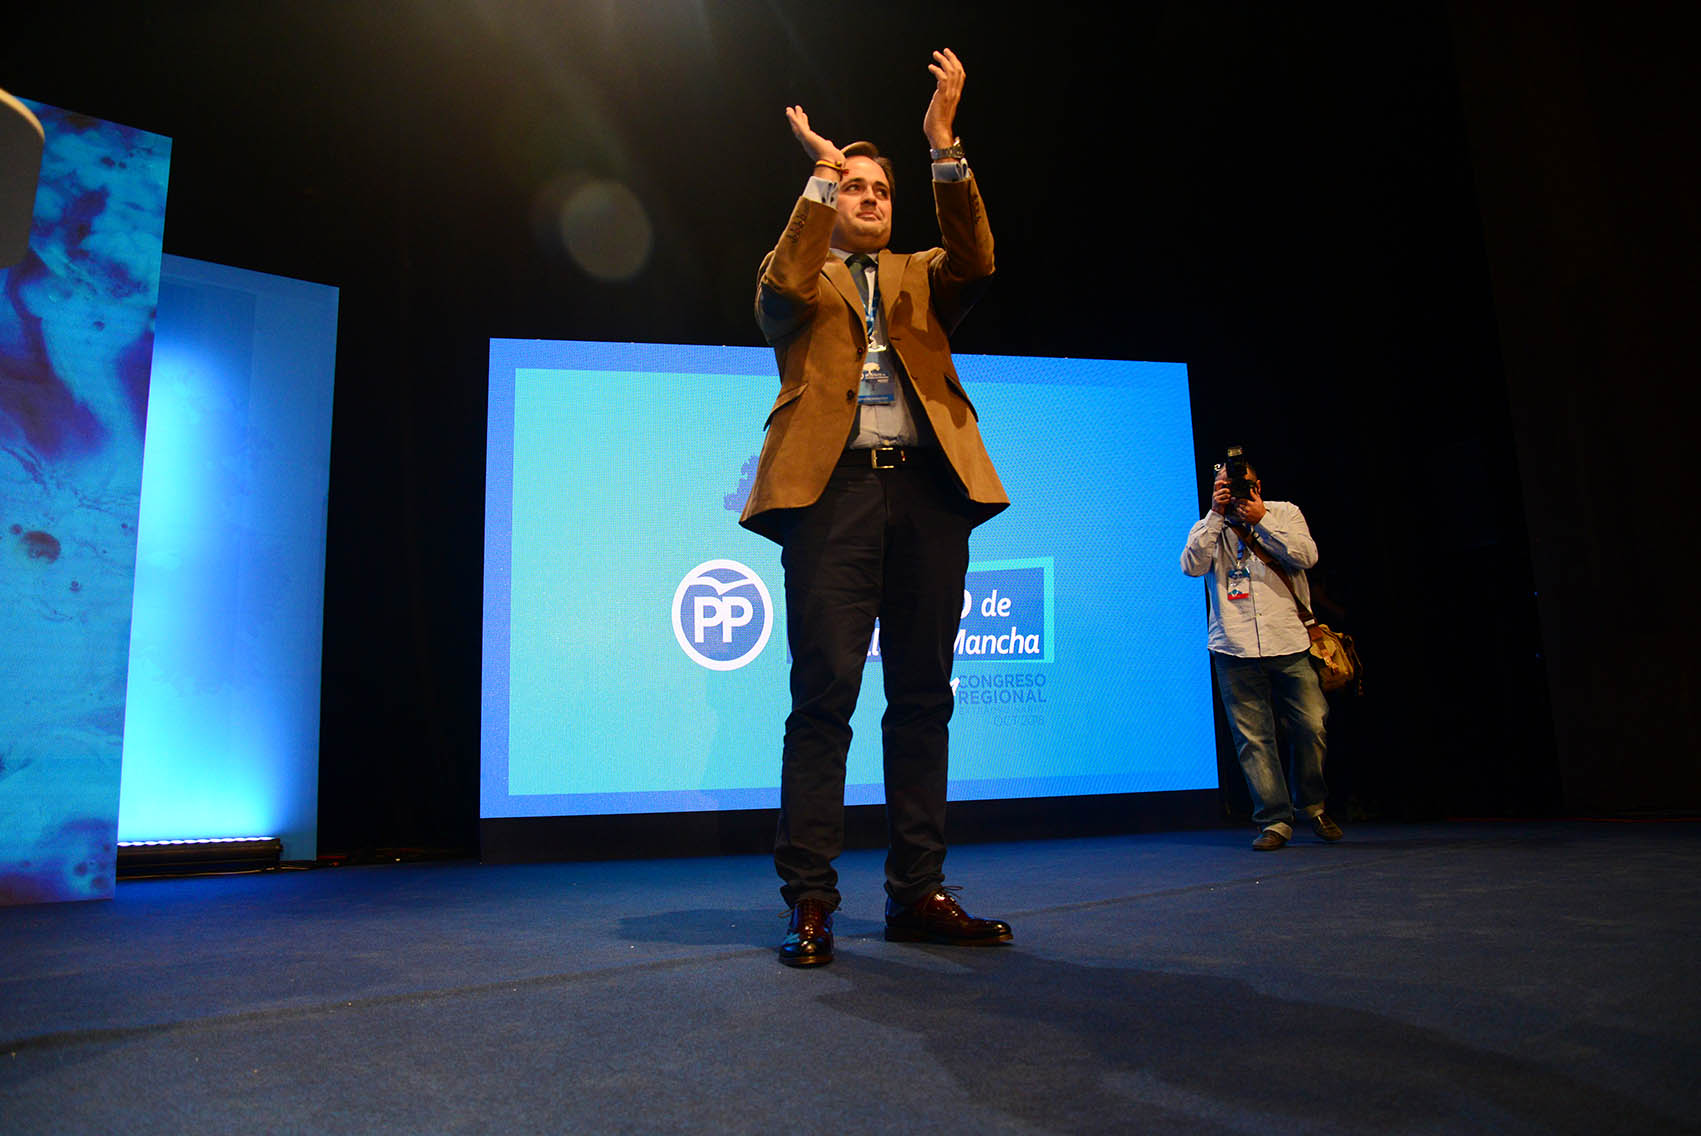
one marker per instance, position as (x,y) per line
(809,311)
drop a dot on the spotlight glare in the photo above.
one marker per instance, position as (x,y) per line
(607,230)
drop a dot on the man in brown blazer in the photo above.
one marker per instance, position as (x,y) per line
(871,477)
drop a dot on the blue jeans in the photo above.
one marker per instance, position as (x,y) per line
(1256,694)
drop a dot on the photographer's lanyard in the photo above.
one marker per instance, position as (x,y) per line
(1239,579)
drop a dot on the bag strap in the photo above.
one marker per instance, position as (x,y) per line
(1245,534)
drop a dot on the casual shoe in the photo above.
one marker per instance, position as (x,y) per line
(939,918)
(809,935)
(1268,841)
(1326,828)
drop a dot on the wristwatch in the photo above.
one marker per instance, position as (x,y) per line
(951,153)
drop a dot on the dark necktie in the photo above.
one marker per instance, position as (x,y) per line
(859,264)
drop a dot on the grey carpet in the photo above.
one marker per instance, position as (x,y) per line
(1446,978)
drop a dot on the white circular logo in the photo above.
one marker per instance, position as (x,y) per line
(722,615)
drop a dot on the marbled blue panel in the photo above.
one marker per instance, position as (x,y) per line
(76,346)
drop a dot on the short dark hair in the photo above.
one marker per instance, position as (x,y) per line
(870,150)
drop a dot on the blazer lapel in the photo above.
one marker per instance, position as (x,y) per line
(890,274)
(840,277)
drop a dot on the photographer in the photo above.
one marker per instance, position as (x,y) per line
(1261,650)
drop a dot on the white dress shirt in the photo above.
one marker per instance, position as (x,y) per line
(1266,622)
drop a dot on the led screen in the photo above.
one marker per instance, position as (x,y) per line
(634,634)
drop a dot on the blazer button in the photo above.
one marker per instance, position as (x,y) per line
(850,395)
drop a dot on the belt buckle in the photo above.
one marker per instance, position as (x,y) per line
(895,453)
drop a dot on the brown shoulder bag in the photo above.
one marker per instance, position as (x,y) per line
(1333,653)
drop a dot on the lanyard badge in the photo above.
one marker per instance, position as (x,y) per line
(879,386)
(1239,579)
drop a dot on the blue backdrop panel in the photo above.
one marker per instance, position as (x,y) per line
(221,727)
(635,653)
(76,340)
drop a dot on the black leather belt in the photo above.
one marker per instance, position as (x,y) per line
(882,457)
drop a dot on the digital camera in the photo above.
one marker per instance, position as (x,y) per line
(1240,477)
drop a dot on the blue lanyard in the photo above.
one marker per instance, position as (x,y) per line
(873,300)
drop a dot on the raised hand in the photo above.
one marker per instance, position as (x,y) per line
(1220,499)
(1251,510)
(948,74)
(818,148)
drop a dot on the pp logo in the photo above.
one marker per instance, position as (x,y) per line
(722,615)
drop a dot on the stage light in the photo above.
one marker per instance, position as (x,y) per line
(198,856)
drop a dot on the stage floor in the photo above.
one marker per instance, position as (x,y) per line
(1494,977)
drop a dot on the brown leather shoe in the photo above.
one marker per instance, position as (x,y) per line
(809,935)
(1268,841)
(1326,828)
(939,918)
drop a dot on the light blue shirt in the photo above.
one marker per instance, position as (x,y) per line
(891,424)
(1267,621)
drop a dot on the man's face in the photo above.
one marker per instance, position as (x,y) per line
(865,207)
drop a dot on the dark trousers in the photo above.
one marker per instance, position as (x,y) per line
(892,544)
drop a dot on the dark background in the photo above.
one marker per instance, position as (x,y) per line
(1433,265)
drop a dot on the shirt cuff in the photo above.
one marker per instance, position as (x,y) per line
(954,170)
(822,191)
